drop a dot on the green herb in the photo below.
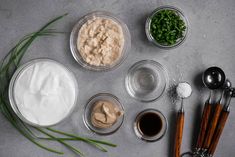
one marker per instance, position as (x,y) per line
(167,27)
(8,65)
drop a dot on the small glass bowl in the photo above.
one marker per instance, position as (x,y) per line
(161,133)
(146,80)
(74,38)
(16,75)
(88,110)
(148,23)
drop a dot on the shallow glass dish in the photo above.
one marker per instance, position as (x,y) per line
(18,73)
(88,110)
(74,40)
(148,23)
(161,132)
(146,80)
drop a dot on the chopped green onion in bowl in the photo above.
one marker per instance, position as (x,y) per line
(166,27)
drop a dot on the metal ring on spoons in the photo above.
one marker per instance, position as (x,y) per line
(192,154)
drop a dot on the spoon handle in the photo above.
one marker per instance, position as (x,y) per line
(212,126)
(218,132)
(179,133)
(204,122)
(221,123)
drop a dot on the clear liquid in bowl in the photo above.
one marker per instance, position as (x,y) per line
(144,81)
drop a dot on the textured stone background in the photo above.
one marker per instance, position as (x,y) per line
(210,41)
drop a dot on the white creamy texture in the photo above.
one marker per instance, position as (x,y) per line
(184,90)
(44,93)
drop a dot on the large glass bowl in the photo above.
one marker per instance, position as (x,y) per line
(13,81)
(149,20)
(74,40)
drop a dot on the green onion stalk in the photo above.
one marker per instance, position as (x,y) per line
(8,65)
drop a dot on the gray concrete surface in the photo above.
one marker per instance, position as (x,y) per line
(210,41)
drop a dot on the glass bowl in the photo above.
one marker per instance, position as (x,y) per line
(156,137)
(148,23)
(146,80)
(14,79)
(74,40)
(88,110)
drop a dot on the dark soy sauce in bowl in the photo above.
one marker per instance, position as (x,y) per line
(150,124)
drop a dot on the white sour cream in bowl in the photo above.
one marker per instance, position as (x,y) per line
(43,92)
